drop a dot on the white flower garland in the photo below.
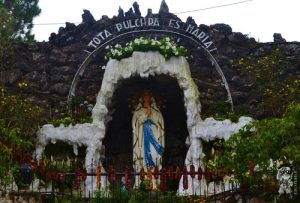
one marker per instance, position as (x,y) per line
(166,47)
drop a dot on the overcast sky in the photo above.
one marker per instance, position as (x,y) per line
(257,18)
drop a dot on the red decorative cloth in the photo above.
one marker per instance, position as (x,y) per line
(171,173)
(163,180)
(77,179)
(178,173)
(84,175)
(207,174)
(142,174)
(127,178)
(112,174)
(156,172)
(200,173)
(192,171)
(185,179)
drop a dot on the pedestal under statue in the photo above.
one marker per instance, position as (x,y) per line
(148,135)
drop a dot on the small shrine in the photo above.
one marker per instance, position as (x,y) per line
(151,107)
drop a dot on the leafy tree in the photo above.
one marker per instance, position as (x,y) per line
(23,12)
(19,120)
(265,144)
(7,24)
(15,25)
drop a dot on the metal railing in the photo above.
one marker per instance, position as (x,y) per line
(57,186)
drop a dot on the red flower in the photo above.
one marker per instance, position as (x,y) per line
(42,167)
(62,176)
(48,175)
(55,176)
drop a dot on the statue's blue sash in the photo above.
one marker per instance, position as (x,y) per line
(150,138)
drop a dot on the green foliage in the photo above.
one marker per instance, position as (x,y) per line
(7,23)
(277,87)
(23,12)
(66,121)
(165,47)
(220,111)
(19,113)
(80,112)
(113,195)
(139,196)
(19,120)
(267,144)
(15,25)
(60,199)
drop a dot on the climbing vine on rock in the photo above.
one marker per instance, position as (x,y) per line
(275,81)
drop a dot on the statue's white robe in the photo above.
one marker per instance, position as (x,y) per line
(139,117)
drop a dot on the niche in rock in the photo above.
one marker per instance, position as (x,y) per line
(62,151)
(118,139)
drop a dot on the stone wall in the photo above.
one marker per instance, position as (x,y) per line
(50,66)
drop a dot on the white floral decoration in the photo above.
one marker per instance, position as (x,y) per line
(166,46)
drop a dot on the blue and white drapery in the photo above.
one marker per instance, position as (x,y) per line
(149,138)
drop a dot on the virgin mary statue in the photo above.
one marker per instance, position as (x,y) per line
(148,134)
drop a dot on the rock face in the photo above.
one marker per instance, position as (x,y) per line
(49,67)
(278,38)
(163,7)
